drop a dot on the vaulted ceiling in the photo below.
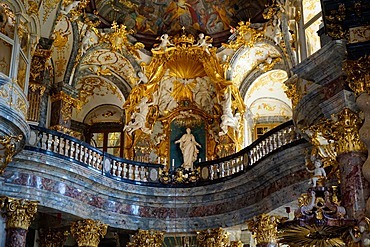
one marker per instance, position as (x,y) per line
(151,19)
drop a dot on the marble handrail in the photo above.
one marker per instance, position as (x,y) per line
(66,147)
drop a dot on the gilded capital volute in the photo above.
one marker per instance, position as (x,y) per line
(18,212)
(147,238)
(88,232)
(264,228)
(213,238)
(346,134)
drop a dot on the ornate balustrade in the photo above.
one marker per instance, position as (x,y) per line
(271,141)
(66,147)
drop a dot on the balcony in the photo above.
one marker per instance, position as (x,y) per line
(68,175)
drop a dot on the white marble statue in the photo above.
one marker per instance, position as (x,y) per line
(204,42)
(189,150)
(318,172)
(165,42)
(66,9)
(138,119)
(227,118)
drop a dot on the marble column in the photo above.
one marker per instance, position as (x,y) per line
(52,238)
(18,214)
(264,229)
(62,105)
(351,155)
(88,232)
(363,102)
(36,87)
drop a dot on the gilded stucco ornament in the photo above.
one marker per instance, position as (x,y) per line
(334,23)
(73,8)
(217,237)
(147,238)
(117,40)
(246,35)
(18,212)
(88,232)
(180,176)
(346,135)
(340,134)
(296,89)
(358,74)
(68,103)
(52,238)
(264,228)
(7,150)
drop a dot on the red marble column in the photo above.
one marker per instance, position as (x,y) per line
(354,187)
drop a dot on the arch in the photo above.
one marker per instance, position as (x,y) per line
(263,55)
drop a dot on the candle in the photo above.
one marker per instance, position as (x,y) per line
(159,160)
(173,164)
(200,160)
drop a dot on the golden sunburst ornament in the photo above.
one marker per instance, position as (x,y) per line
(308,236)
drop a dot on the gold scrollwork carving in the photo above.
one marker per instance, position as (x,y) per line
(7,150)
(264,228)
(88,232)
(67,103)
(213,238)
(33,8)
(358,74)
(292,92)
(37,87)
(246,36)
(343,129)
(39,63)
(19,213)
(52,238)
(118,39)
(144,238)
(347,136)
(335,21)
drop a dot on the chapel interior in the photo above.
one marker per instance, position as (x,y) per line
(184,123)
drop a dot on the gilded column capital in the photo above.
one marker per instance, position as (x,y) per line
(88,232)
(212,238)
(358,74)
(342,130)
(7,150)
(346,134)
(147,238)
(18,212)
(52,238)
(264,228)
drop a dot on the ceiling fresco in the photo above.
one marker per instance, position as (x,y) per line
(150,19)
